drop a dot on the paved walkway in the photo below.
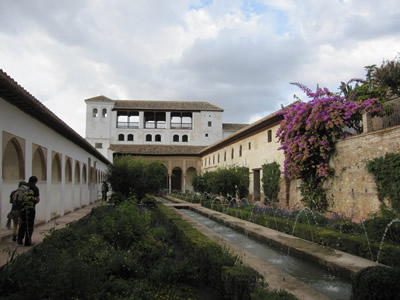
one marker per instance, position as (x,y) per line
(41,228)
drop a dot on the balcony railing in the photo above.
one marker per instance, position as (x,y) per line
(181,125)
(387,120)
(132,125)
(149,125)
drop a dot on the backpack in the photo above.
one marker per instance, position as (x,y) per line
(21,196)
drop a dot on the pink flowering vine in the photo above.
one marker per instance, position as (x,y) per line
(309,130)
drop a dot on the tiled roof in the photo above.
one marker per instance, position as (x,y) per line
(165,105)
(156,149)
(16,95)
(99,99)
(246,131)
(233,126)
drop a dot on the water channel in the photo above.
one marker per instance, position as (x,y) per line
(315,276)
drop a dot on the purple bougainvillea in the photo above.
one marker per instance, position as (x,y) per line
(310,129)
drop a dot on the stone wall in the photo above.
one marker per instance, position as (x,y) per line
(352,190)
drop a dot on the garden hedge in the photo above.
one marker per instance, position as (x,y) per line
(213,265)
(376,283)
(352,244)
(356,245)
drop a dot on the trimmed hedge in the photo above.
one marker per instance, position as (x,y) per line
(213,266)
(239,281)
(357,245)
(376,283)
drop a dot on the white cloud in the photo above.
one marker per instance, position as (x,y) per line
(240,55)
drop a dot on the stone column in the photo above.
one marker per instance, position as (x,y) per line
(367,122)
(168,119)
(141,119)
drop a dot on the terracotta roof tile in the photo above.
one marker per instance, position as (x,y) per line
(99,99)
(156,149)
(16,95)
(165,105)
(233,126)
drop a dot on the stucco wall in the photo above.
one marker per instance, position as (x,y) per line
(56,198)
(256,151)
(351,191)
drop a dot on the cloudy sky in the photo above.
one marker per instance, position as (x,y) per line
(238,54)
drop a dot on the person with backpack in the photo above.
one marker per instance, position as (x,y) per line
(16,198)
(28,212)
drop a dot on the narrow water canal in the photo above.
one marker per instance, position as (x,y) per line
(311,274)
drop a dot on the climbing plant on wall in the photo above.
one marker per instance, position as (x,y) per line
(270,180)
(308,133)
(386,172)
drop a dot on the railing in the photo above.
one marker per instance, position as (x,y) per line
(389,119)
(155,125)
(181,125)
(134,125)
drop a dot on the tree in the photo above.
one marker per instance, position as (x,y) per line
(387,76)
(134,176)
(224,181)
(270,180)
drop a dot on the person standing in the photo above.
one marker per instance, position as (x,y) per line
(16,198)
(28,212)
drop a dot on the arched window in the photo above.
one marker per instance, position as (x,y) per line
(184,138)
(13,161)
(39,164)
(158,138)
(77,173)
(121,137)
(148,138)
(95,112)
(130,137)
(104,113)
(68,171)
(56,169)
(175,138)
(84,174)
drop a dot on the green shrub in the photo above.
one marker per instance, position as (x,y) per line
(270,181)
(224,181)
(357,245)
(128,175)
(376,283)
(239,281)
(261,293)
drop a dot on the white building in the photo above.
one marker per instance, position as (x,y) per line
(34,141)
(110,123)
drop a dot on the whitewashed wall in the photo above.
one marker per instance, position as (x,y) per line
(56,198)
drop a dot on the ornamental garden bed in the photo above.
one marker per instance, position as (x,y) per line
(128,251)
